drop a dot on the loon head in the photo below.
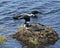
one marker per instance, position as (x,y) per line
(35,12)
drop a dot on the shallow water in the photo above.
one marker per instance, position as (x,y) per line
(8,8)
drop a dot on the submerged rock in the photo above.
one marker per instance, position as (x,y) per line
(38,38)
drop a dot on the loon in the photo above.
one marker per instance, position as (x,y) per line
(31,26)
(32,14)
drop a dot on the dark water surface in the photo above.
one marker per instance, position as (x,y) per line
(10,8)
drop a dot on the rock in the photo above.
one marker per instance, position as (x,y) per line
(36,39)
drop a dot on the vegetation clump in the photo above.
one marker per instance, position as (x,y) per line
(2,40)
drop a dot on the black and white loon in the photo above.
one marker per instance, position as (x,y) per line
(28,25)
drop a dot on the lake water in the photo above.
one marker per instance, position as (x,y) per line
(8,8)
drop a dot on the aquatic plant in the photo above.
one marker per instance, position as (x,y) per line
(2,40)
(33,41)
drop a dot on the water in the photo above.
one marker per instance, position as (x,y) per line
(10,8)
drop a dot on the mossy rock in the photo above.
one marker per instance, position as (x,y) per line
(36,38)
